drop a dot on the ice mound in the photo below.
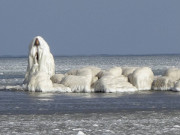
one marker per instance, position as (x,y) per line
(40,82)
(40,59)
(177,86)
(169,81)
(162,83)
(57,78)
(142,78)
(41,68)
(80,80)
(128,70)
(173,74)
(112,80)
(81,133)
(115,71)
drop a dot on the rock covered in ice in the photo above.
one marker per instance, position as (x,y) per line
(40,59)
(112,80)
(57,78)
(162,83)
(142,78)
(40,82)
(81,71)
(77,83)
(60,88)
(111,84)
(40,66)
(115,71)
(80,80)
(177,86)
(173,74)
(170,80)
(128,70)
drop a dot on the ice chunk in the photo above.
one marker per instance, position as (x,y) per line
(57,78)
(142,78)
(80,82)
(40,59)
(129,70)
(81,133)
(115,71)
(162,83)
(110,83)
(173,74)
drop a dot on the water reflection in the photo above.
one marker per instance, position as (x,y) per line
(42,96)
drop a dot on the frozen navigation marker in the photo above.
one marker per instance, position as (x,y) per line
(40,66)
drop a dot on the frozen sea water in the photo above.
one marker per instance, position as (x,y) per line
(124,123)
(150,112)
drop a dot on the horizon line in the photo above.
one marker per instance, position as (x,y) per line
(85,55)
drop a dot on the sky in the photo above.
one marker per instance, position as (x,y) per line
(91,27)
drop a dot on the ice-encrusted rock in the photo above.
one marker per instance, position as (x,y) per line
(40,82)
(111,84)
(142,78)
(57,78)
(177,86)
(40,59)
(115,71)
(162,83)
(41,68)
(128,70)
(173,74)
(80,80)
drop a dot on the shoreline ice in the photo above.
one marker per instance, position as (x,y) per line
(40,76)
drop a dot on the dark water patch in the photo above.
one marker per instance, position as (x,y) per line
(17,102)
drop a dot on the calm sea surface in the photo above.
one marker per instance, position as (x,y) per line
(145,112)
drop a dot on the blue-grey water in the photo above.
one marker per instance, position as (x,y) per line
(145,112)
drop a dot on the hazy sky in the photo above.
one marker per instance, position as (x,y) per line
(77,27)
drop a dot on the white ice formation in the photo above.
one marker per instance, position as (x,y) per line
(142,78)
(81,80)
(81,133)
(112,80)
(40,59)
(162,83)
(40,76)
(177,86)
(169,81)
(128,70)
(173,74)
(40,68)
